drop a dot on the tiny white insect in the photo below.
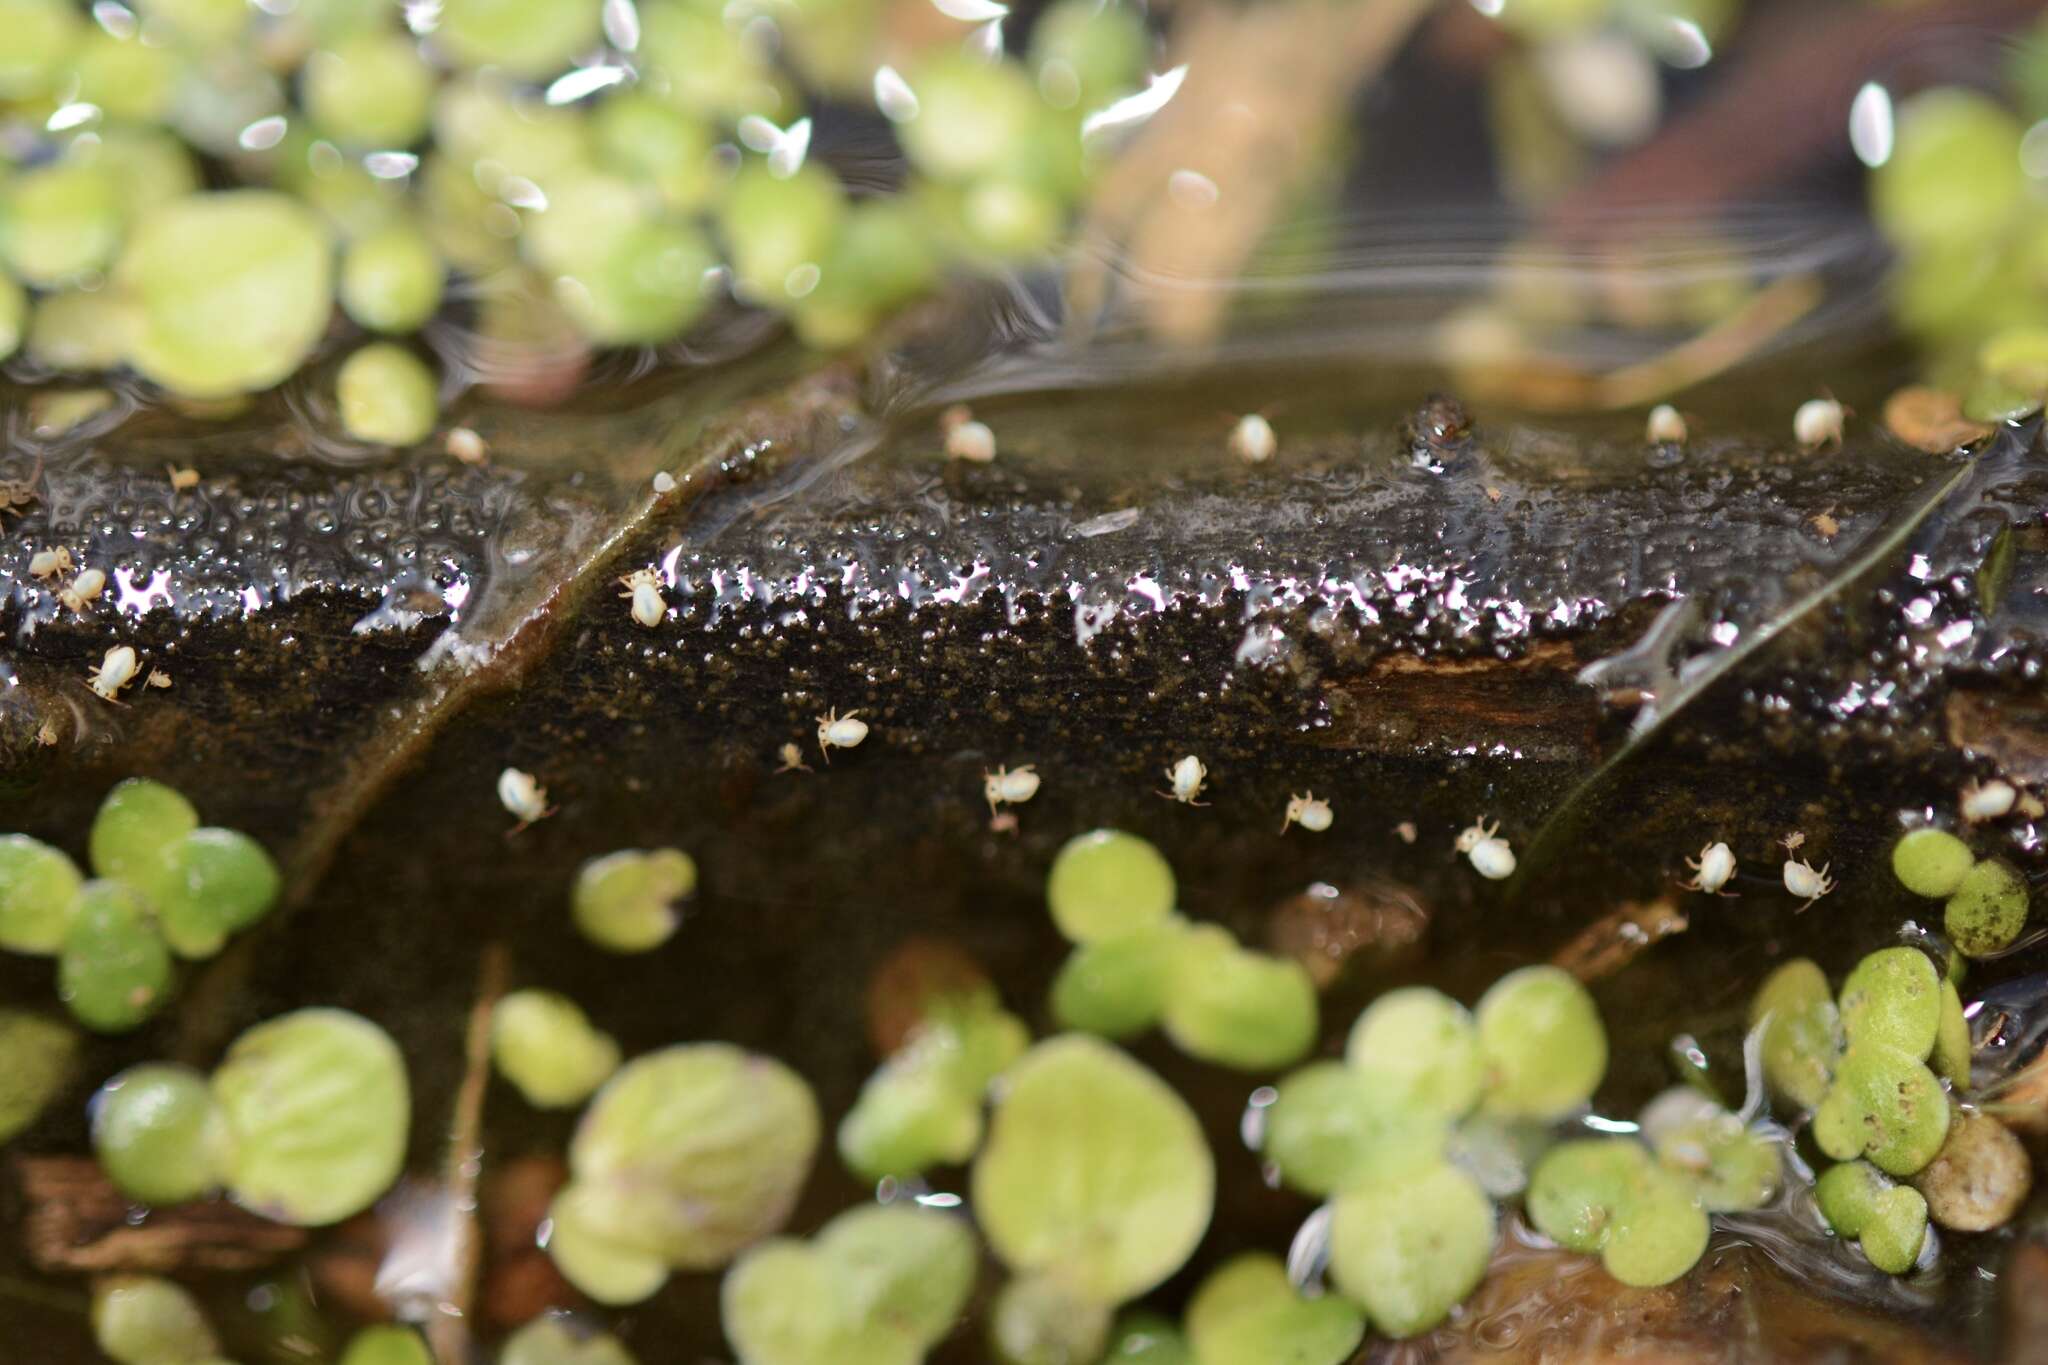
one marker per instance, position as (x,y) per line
(182,480)
(465,445)
(1802,881)
(83,590)
(1711,870)
(1006,786)
(792,759)
(839,732)
(1793,842)
(1987,800)
(1309,811)
(49,563)
(158,677)
(1406,831)
(1665,427)
(1817,423)
(1252,439)
(1488,853)
(521,795)
(1187,778)
(971,441)
(644,587)
(115,672)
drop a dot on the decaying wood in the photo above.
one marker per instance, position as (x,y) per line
(448,1329)
(1532,705)
(75,1223)
(1614,940)
(2011,731)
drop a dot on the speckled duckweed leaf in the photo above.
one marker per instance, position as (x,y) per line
(1890,1221)
(1409,1250)
(1608,1195)
(1802,1031)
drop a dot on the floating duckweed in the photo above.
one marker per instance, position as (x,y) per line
(1890,1221)
(1084,54)
(136,824)
(40,35)
(544,1044)
(81,329)
(144,1320)
(773,227)
(1893,998)
(212,883)
(1145,1338)
(1409,1250)
(640,137)
(392,278)
(646,287)
(1930,862)
(387,395)
(526,37)
(1247,1313)
(1954,174)
(1606,1195)
(549,1341)
(1980,1178)
(1117,987)
(1094,1170)
(1426,1043)
(590,1258)
(38,895)
(1988,910)
(625,901)
(686,1156)
(387,1345)
(1042,1320)
(158,1133)
(36,1057)
(1732,1167)
(971,117)
(59,221)
(317,1108)
(1802,1031)
(369,90)
(233,289)
(1106,884)
(13,311)
(923,1106)
(1236,1007)
(114,970)
(126,78)
(1333,1125)
(1543,1044)
(1883,1105)
(1951,1058)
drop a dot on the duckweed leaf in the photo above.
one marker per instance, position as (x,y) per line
(1893,999)
(1731,1167)
(38,895)
(1426,1044)
(1890,1221)
(1409,1250)
(1117,987)
(1044,1320)
(1988,909)
(693,1152)
(115,970)
(137,821)
(1660,1234)
(144,1320)
(1333,1125)
(1106,884)
(1236,1007)
(626,901)
(1247,1313)
(907,1118)
(1542,1042)
(1144,1338)
(1884,1105)
(317,1108)
(1607,1195)
(36,1056)
(1951,1058)
(211,883)
(1931,862)
(387,1345)
(158,1133)
(545,1045)
(549,1341)
(590,1257)
(1095,1171)
(1801,1031)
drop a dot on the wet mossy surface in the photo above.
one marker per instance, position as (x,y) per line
(1394,624)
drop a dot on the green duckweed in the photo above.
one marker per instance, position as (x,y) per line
(1931,862)
(1888,1220)
(387,1345)
(392,278)
(1094,1170)
(136,824)
(36,1061)
(1542,1044)
(626,901)
(1333,1125)
(1892,998)
(1107,884)
(1247,1313)
(1043,1320)
(1607,1195)
(1988,909)
(1884,1105)
(551,1340)
(1426,1044)
(1117,987)
(39,889)
(158,1133)
(13,315)
(1409,1250)
(923,1106)
(145,1320)
(1140,1337)
(387,395)
(1801,1031)
(369,90)
(545,1045)
(59,222)
(115,970)
(1236,1007)
(317,1109)
(1732,1167)
(212,883)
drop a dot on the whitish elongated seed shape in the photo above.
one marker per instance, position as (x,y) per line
(971,441)
(1252,439)
(1988,800)
(1665,426)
